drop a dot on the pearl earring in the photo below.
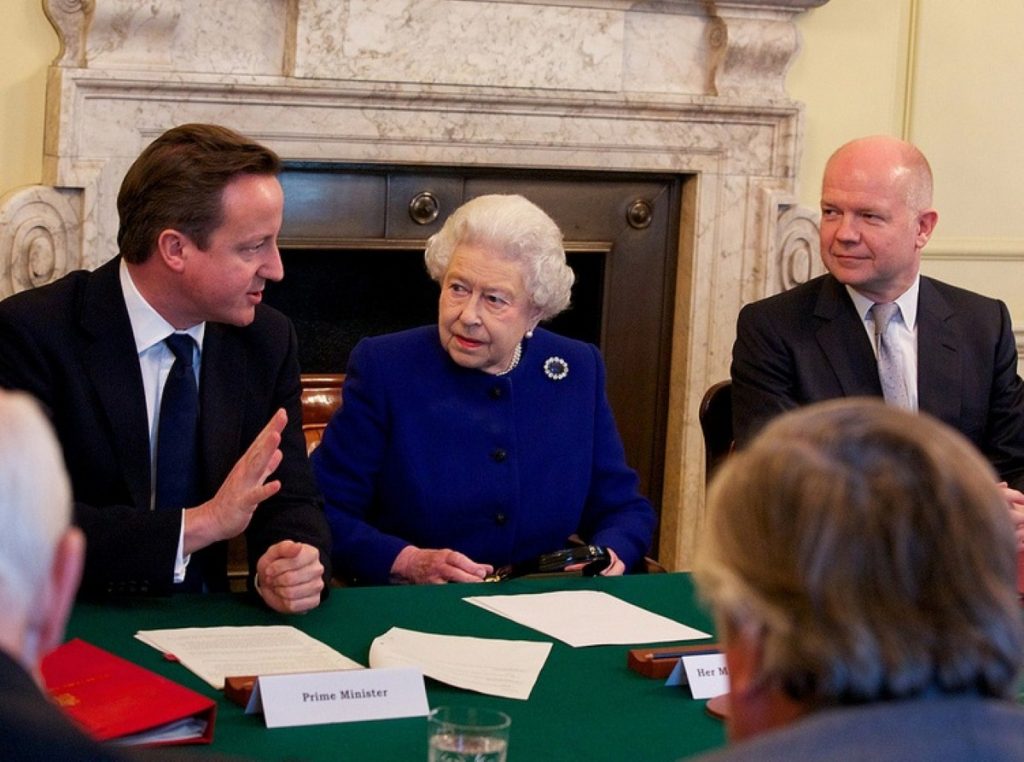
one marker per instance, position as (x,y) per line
(529,334)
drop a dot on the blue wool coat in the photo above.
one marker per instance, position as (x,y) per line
(501,468)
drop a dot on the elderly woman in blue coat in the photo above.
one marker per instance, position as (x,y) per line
(484,440)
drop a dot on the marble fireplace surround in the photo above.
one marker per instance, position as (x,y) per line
(691,87)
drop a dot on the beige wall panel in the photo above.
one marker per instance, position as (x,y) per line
(968,111)
(968,106)
(28,44)
(850,74)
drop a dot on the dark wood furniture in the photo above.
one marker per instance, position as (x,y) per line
(716,422)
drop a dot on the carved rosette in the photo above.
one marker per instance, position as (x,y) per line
(797,246)
(39,238)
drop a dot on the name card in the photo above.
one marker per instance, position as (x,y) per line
(319,698)
(706,675)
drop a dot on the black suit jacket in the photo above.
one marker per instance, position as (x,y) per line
(70,344)
(808,344)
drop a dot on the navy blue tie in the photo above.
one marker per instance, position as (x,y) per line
(177,462)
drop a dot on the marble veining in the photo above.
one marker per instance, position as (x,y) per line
(189,36)
(457,42)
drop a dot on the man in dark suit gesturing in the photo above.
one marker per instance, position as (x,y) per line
(160,372)
(944,350)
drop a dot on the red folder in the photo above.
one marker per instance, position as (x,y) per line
(115,699)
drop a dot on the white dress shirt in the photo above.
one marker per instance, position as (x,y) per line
(155,361)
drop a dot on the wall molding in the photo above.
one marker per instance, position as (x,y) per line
(968,249)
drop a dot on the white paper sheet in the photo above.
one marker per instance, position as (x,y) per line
(214,653)
(586,618)
(487,665)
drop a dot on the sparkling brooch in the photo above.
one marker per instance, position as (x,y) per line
(556,368)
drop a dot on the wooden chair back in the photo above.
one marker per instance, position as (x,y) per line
(716,423)
(321,396)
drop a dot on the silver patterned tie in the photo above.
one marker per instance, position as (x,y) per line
(890,370)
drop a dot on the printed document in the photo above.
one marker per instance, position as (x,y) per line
(586,618)
(214,653)
(487,665)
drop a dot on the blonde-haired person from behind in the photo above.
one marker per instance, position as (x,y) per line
(862,572)
(41,557)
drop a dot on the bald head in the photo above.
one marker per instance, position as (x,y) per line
(885,159)
(876,215)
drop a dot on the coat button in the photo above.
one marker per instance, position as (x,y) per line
(500,518)
(498,455)
(495,392)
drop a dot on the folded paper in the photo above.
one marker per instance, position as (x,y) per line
(493,666)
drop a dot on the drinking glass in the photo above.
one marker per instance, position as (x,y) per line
(467,734)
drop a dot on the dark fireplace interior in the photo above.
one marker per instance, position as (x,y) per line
(352,245)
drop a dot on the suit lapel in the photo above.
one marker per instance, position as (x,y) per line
(844,342)
(939,379)
(222,384)
(111,362)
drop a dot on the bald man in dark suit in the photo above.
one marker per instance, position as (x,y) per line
(957,356)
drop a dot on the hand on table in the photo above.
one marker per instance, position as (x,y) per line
(289,577)
(420,566)
(616,567)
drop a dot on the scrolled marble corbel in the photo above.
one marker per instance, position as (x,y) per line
(757,54)
(71,19)
(717,37)
(797,246)
(39,238)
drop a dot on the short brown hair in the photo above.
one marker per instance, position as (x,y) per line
(177,183)
(872,551)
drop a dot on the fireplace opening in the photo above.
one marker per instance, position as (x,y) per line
(352,244)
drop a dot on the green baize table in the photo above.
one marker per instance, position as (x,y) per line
(586,705)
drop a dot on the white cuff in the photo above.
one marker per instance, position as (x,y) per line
(180,559)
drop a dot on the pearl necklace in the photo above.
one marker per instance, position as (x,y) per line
(516,355)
